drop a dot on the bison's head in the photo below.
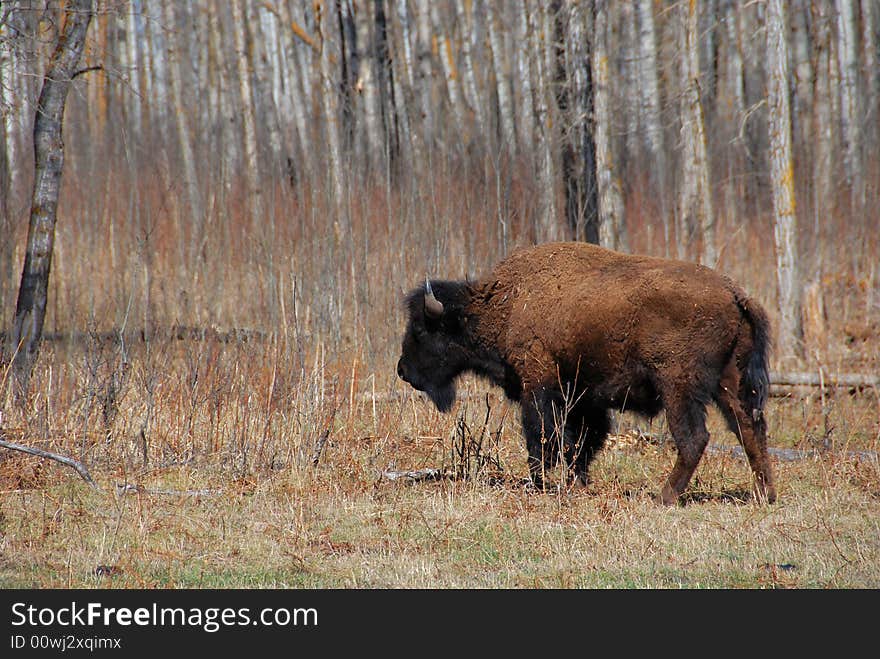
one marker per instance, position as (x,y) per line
(434,350)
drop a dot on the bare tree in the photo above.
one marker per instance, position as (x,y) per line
(546,220)
(30,309)
(871,49)
(612,229)
(575,99)
(696,214)
(330,101)
(822,124)
(183,131)
(251,154)
(848,62)
(782,176)
(501,70)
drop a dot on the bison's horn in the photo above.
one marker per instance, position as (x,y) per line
(433,306)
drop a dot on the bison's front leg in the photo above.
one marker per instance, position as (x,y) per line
(539,428)
(585,433)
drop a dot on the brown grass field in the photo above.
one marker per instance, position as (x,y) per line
(249,446)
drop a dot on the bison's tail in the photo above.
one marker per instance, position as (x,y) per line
(755,384)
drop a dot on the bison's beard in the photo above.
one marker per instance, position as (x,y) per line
(443,396)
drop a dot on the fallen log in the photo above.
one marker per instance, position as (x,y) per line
(821,379)
(413,476)
(780,383)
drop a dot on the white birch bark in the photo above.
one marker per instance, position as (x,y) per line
(157,89)
(330,106)
(822,124)
(848,63)
(524,65)
(297,55)
(649,93)
(501,69)
(695,206)
(467,66)
(782,177)
(612,228)
(547,223)
(450,72)
(133,72)
(368,110)
(10,110)
(265,98)
(629,84)
(402,98)
(870,11)
(228,116)
(184,137)
(802,70)
(406,42)
(425,77)
(248,120)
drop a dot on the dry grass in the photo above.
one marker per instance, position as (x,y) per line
(228,495)
(217,433)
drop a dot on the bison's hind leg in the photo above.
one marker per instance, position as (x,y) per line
(750,429)
(585,434)
(686,418)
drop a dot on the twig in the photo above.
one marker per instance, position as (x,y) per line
(70,462)
(97,67)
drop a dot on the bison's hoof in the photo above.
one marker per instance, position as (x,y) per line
(669,497)
(767,495)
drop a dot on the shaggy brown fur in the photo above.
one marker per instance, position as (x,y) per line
(572,330)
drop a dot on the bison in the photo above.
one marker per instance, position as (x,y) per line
(571,331)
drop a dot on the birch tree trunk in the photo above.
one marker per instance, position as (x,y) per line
(848,62)
(450,74)
(330,105)
(10,126)
(524,65)
(467,65)
(8,160)
(822,122)
(298,67)
(30,308)
(135,60)
(576,106)
(265,98)
(425,76)
(695,206)
(157,89)
(251,155)
(184,138)
(370,144)
(612,229)
(782,178)
(391,138)
(546,220)
(649,95)
(871,49)
(501,69)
